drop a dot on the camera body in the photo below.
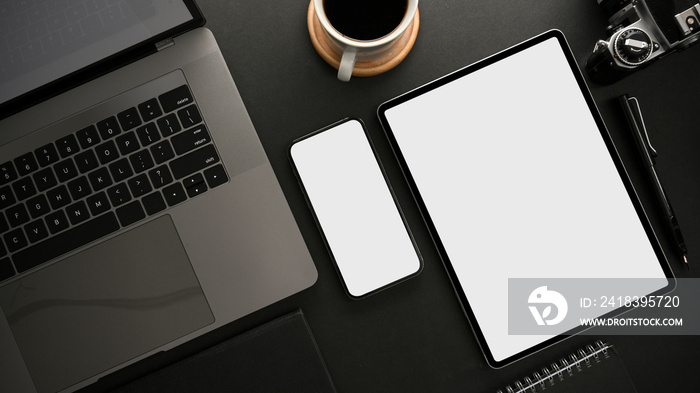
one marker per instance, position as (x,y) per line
(640,32)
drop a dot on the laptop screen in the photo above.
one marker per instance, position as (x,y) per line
(43,41)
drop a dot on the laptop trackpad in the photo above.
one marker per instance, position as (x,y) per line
(105,305)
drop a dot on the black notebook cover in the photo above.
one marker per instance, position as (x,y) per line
(279,356)
(597,368)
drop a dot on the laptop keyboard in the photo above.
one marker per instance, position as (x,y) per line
(106,176)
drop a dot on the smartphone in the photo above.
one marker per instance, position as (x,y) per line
(357,214)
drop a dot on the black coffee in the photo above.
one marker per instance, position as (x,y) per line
(365,19)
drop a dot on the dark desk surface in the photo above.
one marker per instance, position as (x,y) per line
(414,337)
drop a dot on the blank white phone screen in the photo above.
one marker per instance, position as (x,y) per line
(518,182)
(366,234)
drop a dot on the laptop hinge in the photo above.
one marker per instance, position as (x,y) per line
(164,44)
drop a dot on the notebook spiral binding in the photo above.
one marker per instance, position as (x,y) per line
(559,371)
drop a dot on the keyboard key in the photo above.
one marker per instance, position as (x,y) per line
(56,6)
(46,155)
(119,194)
(150,110)
(26,164)
(71,33)
(67,145)
(141,161)
(6,269)
(100,179)
(80,188)
(7,198)
(195,185)
(92,24)
(76,13)
(127,143)
(36,30)
(193,180)
(31,51)
(131,213)
(65,242)
(107,152)
(98,203)
(162,152)
(36,231)
(129,119)
(189,116)
(95,5)
(108,127)
(51,42)
(160,176)
(88,137)
(56,222)
(120,170)
(6,10)
(191,139)
(111,15)
(174,194)
(44,179)
(38,206)
(58,197)
(169,125)
(23,5)
(77,212)
(194,161)
(176,98)
(154,203)
(148,134)
(12,60)
(139,185)
(56,22)
(216,176)
(65,170)
(24,188)
(7,173)
(17,215)
(86,161)
(15,240)
(18,20)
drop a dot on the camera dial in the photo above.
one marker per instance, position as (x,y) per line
(641,32)
(633,46)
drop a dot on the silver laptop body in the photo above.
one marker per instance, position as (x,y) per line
(187,226)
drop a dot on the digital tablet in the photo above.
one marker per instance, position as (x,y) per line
(517,177)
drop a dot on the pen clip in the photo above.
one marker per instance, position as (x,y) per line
(637,113)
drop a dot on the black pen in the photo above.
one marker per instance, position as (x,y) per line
(633,113)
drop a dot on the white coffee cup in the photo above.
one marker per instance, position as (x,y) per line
(384,50)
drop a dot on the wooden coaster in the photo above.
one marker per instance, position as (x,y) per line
(362,68)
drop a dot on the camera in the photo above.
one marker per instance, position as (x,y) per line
(640,32)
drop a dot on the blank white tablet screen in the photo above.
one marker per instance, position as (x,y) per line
(518,182)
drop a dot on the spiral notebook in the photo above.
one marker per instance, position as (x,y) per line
(596,368)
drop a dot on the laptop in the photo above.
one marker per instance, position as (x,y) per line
(138,209)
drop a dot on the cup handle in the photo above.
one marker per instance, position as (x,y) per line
(347,63)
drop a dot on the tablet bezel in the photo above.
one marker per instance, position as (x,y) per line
(381,112)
